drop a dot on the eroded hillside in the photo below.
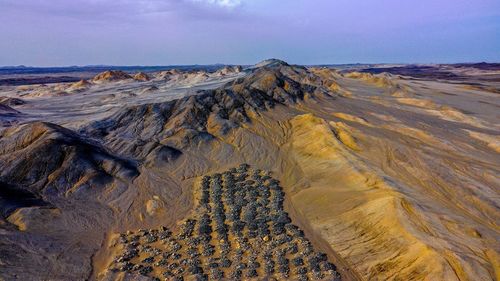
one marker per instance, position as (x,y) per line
(393,178)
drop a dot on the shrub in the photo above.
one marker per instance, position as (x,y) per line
(238,226)
(195,270)
(205,197)
(236,274)
(302,278)
(173,266)
(208,250)
(162,262)
(293,249)
(284,269)
(298,262)
(145,270)
(269,266)
(326,266)
(229,202)
(168,274)
(216,273)
(225,263)
(127,266)
(253,264)
(176,256)
(301,270)
(243,168)
(252,273)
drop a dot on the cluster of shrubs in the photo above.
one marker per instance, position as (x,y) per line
(239,230)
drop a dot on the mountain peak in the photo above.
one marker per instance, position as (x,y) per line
(271,63)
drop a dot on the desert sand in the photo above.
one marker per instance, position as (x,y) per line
(393,177)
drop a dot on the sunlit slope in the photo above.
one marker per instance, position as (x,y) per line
(397,201)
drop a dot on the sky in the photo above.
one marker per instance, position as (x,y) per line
(173,32)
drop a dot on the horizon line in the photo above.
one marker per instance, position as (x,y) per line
(20,66)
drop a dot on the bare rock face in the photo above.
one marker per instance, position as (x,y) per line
(48,159)
(111,75)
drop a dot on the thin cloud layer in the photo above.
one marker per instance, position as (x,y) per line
(221,3)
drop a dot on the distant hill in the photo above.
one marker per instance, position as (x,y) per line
(26,75)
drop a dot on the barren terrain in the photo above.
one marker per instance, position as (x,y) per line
(385,174)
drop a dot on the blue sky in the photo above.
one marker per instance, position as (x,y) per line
(162,32)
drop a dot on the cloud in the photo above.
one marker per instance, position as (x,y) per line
(221,3)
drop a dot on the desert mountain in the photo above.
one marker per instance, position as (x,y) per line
(391,178)
(270,63)
(141,130)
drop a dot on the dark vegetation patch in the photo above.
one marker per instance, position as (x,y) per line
(239,230)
